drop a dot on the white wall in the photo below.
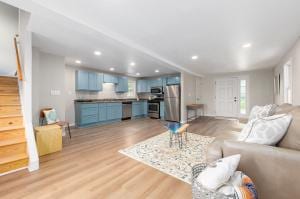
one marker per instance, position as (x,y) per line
(294,56)
(260,92)
(8,28)
(188,92)
(48,74)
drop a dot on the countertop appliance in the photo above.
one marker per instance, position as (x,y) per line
(172,103)
(154,108)
(157,90)
(126,110)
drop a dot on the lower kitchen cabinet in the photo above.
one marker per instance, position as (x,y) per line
(87,114)
(139,109)
(162,110)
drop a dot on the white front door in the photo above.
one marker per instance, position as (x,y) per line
(227,92)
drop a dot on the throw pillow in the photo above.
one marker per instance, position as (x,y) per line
(268,130)
(262,111)
(240,186)
(219,172)
(51,116)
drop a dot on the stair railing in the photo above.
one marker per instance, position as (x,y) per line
(19,68)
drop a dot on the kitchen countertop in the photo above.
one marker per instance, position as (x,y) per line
(107,100)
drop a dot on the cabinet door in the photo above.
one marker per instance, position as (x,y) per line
(82,80)
(141,86)
(114,111)
(108,78)
(93,81)
(162,109)
(145,108)
(102,113)
(100,82)
(122,85)
(156,82)
(173,80)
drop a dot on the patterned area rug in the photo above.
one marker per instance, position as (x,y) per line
(176,162)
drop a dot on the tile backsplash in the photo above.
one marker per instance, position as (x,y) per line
(108,92)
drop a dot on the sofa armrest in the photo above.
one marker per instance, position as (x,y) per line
(275,171)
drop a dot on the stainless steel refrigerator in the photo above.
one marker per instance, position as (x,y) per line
(172,103)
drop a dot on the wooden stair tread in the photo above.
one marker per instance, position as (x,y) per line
(10,128)
(12,104)
(11,141)
(8,115)
(12,158)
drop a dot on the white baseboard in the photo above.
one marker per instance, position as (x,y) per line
(2,174)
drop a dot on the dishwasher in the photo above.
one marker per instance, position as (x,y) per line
(126,110)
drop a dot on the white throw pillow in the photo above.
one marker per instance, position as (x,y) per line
(219,172)
(268,130)
(262,111)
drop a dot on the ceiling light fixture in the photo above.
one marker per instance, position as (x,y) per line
(157,71)
(194,57)
(112,69)
(138,74)
(98,53)
(248,45)
(132,64)
(78,62)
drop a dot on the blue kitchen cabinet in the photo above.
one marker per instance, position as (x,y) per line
(114,111)
(86,114)
(108,78)
(162,109)
(139,109)
(102,112)
(164,81)
(95,81)
(157,82)
(173,80)
(82,80)
(142,86)
(122,86)
(88,81)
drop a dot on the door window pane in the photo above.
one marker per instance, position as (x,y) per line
(243,97)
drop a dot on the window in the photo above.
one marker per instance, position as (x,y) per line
(243,97)
(287,81)
(131,88)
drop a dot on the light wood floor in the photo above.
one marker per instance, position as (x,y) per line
(91,167)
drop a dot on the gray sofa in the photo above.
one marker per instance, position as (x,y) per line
(275,170)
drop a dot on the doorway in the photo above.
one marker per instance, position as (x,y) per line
(231,97)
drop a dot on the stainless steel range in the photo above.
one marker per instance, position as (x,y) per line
(154,108)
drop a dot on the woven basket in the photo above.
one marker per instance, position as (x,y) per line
(201,193)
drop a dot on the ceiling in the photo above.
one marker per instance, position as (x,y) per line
(165,34)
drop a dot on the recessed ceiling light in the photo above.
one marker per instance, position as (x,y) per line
(97,53)
(132,64)
(195,57)
(138,74)
(248,45)
(78,62)
(112,69)
(157,71)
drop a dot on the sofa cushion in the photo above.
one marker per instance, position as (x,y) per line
(268,130)
(291,140)
(262,111)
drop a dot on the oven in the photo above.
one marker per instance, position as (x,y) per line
(153,110)
(157,90)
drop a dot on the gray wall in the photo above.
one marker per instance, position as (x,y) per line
(48,74)
(8,29)
(260,92)
(294,56)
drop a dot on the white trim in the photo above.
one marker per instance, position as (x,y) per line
(12,171)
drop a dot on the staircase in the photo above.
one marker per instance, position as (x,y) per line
(13,148)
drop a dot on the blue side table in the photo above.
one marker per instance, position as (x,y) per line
(177,130)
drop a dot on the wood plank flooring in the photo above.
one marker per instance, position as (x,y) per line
(91,167)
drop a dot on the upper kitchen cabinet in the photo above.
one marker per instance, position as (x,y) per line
(122,85)
(108,78)
(157,82)
(142,86)
(173,80)
(95,81)
(88,81)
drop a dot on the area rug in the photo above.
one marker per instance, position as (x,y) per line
(174,161)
